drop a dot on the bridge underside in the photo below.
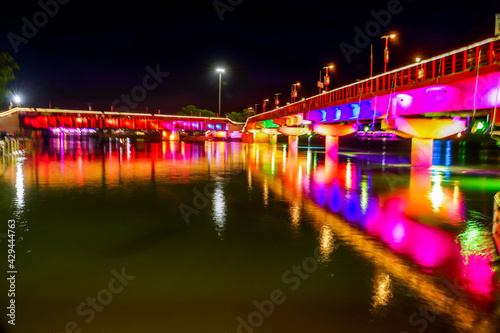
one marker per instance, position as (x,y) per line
(437,98)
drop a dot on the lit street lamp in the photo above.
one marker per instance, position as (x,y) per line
(277,100)
(420,74)
(327,78)
(17,100)
(220,71)
(294,91)
(386,52)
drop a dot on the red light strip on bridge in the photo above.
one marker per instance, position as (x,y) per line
(106,113)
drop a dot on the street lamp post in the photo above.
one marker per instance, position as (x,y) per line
(386,52)
(327,78)
(264,102)
(371,60)
(320,82)
(256,108)
(294,91)
(420,74)
(277,100)
(220,71)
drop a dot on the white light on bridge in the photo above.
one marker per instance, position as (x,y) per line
(17,100)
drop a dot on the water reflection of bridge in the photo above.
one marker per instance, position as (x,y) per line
(410,234)
(72,163)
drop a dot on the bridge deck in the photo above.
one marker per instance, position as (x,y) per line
(467,62)
(38,118)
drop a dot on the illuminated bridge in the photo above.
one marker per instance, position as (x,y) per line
(428,100)
(77,121)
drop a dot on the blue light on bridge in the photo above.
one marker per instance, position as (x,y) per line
(338,114)
(323,115)
(356,109)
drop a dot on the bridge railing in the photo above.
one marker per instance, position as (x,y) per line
(469,58)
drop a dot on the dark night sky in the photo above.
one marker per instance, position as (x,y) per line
(95,51)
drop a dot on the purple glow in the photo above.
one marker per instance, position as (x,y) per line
(376,136)
(64,130)
(398,233)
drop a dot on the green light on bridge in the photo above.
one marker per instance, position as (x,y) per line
(480,127)
(268,124)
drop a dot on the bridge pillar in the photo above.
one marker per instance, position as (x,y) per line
(255,137)
(171,136)
(175,136)
(332,134)
(260,137)
(422,152)
(423,132)
(293,145)
(247,137)
(293,134)
(273,135)
(331,156)
(332,146)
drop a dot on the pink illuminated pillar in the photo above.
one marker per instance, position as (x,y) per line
(332,146)
(293,145)
(421,152)
(331,156)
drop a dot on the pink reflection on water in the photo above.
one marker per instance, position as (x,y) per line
(478,275)
(426,245)
(406,222)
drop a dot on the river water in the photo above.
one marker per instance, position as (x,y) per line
(231,237)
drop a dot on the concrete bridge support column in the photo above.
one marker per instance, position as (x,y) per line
(293,145)
(331,156)
(247,137)
(422,152)
(175,136)
(273,135)
(171,136)
(332,146)
(423,132)
(332,134)
(293,134)
(260,137)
